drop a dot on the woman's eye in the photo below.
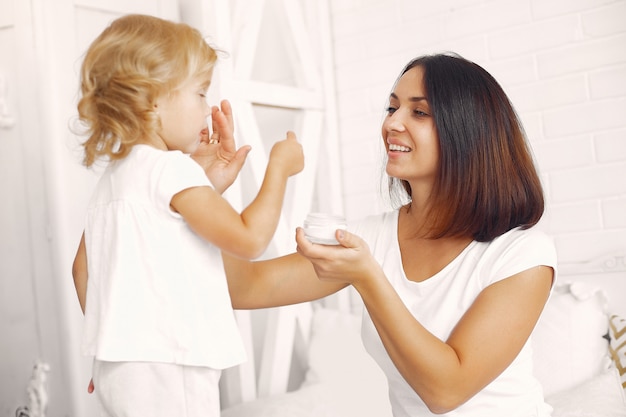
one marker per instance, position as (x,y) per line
(391,110)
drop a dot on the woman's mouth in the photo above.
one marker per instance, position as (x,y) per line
(398,148)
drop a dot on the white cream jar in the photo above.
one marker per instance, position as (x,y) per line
(321,227)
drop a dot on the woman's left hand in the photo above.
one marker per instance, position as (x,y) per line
(351,261)
(217,153)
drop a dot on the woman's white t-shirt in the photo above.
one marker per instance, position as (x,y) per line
(156,291)
(438,304)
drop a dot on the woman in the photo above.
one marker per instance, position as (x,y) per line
(455,279)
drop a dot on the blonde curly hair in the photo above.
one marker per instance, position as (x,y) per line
(133,61)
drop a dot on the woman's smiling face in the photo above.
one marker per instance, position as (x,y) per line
(409,132)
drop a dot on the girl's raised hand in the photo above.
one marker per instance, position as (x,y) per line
(288,155)
(217,152)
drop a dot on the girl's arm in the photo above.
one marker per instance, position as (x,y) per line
(247,234)
(79,272)
(444,373)
(276,282)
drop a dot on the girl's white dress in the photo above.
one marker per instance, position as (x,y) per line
(156,292)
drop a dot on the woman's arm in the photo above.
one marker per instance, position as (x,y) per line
(276,282)
(79,272)
(484,342)
(445,374)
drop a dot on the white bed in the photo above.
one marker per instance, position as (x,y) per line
(310,362)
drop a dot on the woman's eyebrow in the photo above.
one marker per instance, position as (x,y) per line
(412,99)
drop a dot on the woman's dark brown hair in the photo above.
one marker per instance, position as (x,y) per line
(487,182)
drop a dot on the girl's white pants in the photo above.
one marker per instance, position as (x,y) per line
(142,389)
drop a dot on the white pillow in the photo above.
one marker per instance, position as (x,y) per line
(601,396)
(569,342)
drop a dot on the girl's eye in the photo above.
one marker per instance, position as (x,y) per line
(420,113)
(391,110)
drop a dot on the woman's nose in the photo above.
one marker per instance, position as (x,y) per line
(394,122)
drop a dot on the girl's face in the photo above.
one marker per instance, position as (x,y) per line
(183,115)
(409,132)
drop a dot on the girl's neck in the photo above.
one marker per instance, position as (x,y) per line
(154,141)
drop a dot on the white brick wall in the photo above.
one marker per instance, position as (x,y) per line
(563,64)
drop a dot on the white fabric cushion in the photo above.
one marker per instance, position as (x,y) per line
(569,342)
(599,396)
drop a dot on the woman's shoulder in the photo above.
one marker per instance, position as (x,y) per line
(517,250)
(518,236)
(522,243)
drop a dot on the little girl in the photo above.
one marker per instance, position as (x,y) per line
(158,315)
